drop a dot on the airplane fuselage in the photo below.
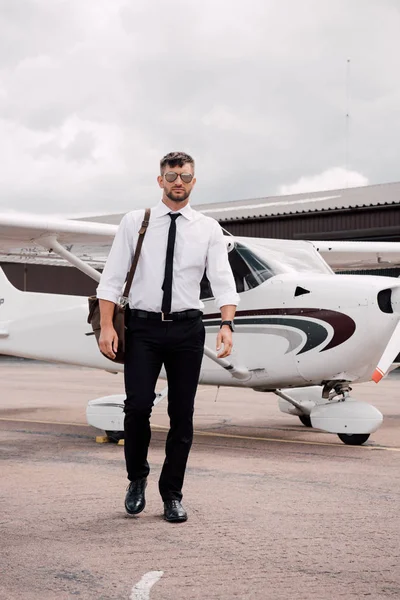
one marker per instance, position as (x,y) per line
(291,330)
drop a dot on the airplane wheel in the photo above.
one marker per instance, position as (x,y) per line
(306,420)
(353,440)
(115,436)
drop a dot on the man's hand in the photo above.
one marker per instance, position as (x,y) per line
(224,337)
(108,342)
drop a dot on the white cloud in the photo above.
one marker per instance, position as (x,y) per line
(93,93)
(331,179)
(55,169)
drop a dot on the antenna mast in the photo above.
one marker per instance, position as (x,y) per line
(347,121)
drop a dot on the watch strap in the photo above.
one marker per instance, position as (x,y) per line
(229,323)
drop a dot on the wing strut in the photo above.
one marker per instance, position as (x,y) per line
(236,371)
(51,243)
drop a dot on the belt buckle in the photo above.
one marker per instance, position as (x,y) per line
(164,319)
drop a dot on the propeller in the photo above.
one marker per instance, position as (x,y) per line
(390,353)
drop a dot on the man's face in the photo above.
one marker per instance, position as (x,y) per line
(178,190)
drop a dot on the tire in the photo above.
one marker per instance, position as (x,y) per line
(353,440)
(306,420)
(115,436)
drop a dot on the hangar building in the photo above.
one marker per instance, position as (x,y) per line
(365,213)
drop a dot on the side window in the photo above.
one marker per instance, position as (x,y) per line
(248,269)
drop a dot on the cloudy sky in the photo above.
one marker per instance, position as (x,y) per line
(94,92)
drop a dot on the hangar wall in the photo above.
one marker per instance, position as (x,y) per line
(380,223)
(49,279)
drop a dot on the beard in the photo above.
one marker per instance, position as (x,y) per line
(177,197)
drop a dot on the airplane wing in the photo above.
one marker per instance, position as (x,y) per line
(346,256)
(27,238)
(33,239)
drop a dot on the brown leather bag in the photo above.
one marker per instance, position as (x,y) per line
(120,308)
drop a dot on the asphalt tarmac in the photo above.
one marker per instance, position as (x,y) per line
(276,510)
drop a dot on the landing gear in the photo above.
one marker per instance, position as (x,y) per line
(355,439)
(115,436)
(350,439)
(306,420)
(333,410)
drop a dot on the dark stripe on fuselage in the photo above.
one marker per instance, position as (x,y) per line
(343,325)
(316,333)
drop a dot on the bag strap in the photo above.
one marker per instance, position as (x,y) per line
(142,232)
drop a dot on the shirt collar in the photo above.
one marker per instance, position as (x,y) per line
(162,209)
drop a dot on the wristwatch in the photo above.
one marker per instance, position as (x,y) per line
(229,323)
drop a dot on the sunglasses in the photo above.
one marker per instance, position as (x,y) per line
(171,176)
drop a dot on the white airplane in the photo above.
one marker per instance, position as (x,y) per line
(302,331)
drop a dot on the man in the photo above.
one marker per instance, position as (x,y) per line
(165,325)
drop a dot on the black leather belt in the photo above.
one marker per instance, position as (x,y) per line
(175,316)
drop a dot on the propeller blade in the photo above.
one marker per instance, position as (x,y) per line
(387,358)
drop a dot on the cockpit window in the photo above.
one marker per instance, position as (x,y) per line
(248,269)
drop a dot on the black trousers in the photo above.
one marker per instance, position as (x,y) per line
(179,346)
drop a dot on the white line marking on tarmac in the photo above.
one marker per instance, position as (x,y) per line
(43,422)
(215,434)
(280,440)
(141,591)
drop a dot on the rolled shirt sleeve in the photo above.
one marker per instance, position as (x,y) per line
(218,270)
(118,263)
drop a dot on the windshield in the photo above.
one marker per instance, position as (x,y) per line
(288,256)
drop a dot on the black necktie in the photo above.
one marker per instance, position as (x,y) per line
(167,284)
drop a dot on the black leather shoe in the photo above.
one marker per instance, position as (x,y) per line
(134,499)
(174,511)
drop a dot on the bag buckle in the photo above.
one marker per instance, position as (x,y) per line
(164,319)
(123,301)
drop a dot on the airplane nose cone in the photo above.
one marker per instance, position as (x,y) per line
(389,300)
(395,300)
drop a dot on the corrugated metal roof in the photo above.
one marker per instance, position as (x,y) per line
(372,195)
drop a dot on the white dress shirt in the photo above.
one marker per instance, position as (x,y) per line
(199,246)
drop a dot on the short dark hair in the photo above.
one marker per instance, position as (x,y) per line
(175,159)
